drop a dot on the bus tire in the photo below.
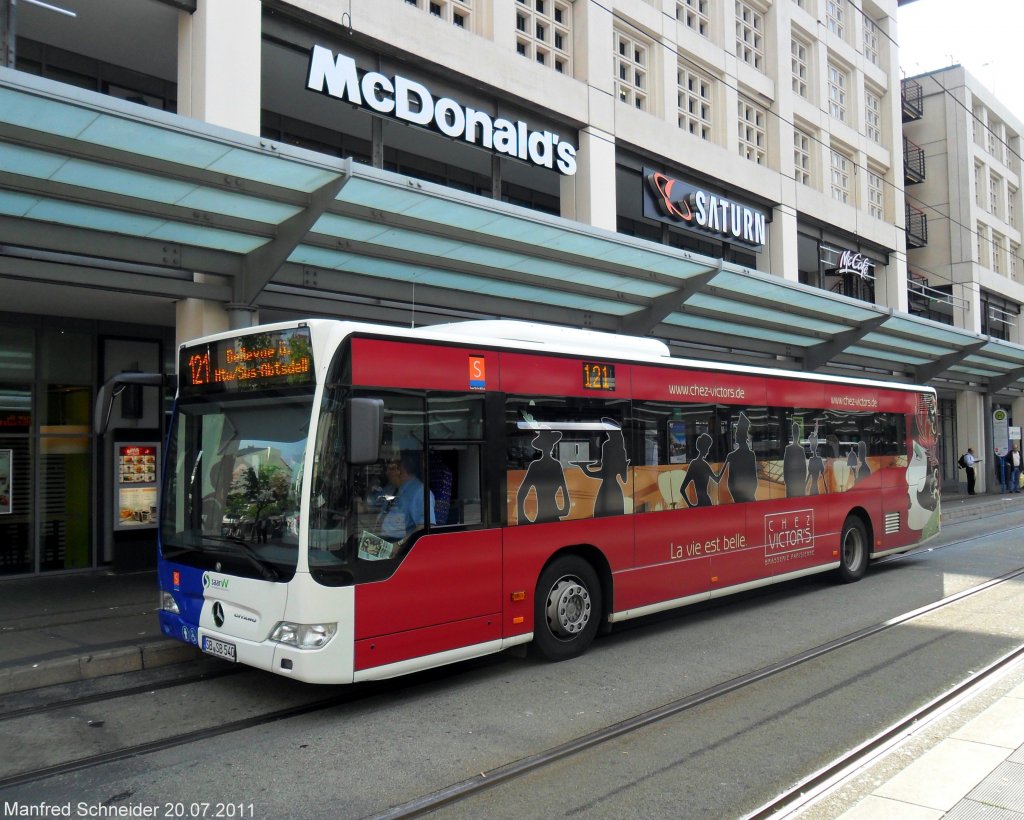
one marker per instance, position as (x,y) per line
(567,609)
(853,551)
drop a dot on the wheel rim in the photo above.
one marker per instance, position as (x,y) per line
(853,549)
(568,608)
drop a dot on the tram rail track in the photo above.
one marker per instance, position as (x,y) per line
(488,779)
(114,694)
(817,785)
(173,741)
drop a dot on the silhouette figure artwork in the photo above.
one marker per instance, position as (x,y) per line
(863,468)
(794,466)
(611,470)
(742,464)
(851,467)
(815,465)
(545,479)
(700,474)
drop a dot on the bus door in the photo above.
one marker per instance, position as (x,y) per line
(429,573)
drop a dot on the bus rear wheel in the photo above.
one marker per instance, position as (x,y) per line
(567,609)
(853,551)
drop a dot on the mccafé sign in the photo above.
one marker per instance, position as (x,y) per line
(851,262)
(410,101)
(694,208)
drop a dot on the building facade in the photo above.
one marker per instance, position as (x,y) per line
(966,270)
(765,134)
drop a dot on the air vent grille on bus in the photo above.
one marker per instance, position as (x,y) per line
(892,523)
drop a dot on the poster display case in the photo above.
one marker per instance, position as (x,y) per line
(136,485)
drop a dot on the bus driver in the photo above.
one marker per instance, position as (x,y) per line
(401,505)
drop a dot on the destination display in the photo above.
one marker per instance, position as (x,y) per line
(598,376)
(257,361)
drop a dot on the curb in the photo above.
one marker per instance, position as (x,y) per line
(96,665)
(954,513)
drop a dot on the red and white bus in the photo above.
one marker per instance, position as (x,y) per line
(348,502)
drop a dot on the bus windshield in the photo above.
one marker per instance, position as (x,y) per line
(232,500)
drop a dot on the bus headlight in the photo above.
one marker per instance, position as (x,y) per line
(303,636)
(168,604)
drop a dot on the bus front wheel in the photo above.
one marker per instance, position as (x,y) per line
(853,551)
(567,609)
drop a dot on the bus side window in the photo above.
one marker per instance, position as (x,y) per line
(454,472)
(455,432)
(440,479)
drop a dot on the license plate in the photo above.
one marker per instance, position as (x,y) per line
(221,649)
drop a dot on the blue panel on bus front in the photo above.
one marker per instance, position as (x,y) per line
(186,585)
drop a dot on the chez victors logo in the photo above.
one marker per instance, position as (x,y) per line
(692,207)
(788,535)
(397,96)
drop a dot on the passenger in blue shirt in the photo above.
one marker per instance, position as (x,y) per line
(402,506)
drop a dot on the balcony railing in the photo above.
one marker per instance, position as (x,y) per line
(913,162)
(917,227)
(912,95)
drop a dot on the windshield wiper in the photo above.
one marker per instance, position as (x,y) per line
(267,572)
(225,539)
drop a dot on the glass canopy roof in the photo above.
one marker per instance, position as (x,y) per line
(92,177)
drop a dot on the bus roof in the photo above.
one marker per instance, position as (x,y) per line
(555,339)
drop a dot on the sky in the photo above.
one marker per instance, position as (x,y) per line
(984,36)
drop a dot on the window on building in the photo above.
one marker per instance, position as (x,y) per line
(841,167)
(995,183)
(838,80)
(55,63)
(998,250)
(544,32)
(991,137)
(872,40)
(457,12)
(800,3)
(835,17)
(1011,205)
(999,135)
(998,315)
(873,116)
(1013,270)
(694,15)
(978,126)
(799,51)
(752,131)
(983,244)
(876,194)
(694,99)
(631,67)
(802,157)
(750,34)
(979,185)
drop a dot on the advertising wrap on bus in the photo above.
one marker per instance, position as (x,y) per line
(424,496)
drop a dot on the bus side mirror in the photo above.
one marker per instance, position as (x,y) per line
(364,422)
